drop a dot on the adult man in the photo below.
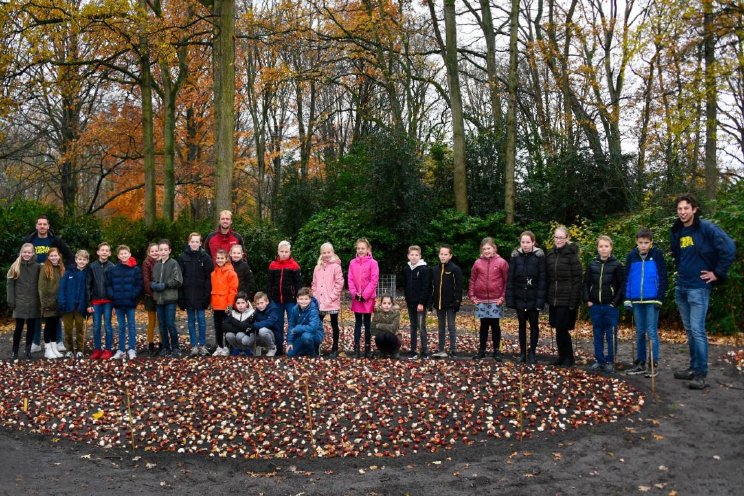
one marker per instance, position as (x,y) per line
(703,253)
(224,237)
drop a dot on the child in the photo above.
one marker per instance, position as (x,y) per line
(243,270)
(23,296)
(124,287)
(196,269)
(266,321)
(72,298)
(166,279)
(241,330)
(327,286)
(304,330)
(100,304)
(446,295)
(284,281)
(364,275)
(525,291)
(385,325)
(224,289)
(417,290)
(487,290)
(604,284)
(645,290)
(49,277)
(152,256)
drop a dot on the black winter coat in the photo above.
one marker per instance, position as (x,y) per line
(245,277)
(196,270)
(446,284)
(564,276)
(528,280)
(417,284)
(604,282)
(97,280)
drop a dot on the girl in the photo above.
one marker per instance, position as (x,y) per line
(284,281)
(563,269)
(153,255)
(604,284)
(525,292)
(363,277)
(124,287)
(49,278)
(328,284)
(23,296)
(196,268)
(488,291)
(243,270)
(385,325)
(224,289)
(72,298)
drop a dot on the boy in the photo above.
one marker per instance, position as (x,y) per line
(267,321)
(283,282)
(124,287)
(446,295)
(304,330)
(645,290)
(166,279)
(196,270)
(242,332)
(417,291)
(100,304)
(72,298)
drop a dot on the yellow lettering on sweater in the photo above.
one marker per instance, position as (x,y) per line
(686,242)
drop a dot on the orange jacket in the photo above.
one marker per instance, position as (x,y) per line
(224,286)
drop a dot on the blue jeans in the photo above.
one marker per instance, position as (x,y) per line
(693,307)
(646,316)
(104,310)
(196,316)
(167,320)
(604,322)
(306,345)
(125,319)
(279,336)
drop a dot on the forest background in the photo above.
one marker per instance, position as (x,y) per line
(405,122)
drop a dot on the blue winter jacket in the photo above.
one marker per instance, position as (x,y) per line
(72,295)
(269,318)
(714,249)
(124,285)
(304,321)
(645,279)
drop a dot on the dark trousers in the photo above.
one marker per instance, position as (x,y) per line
(531,316)
(51,325)
(366,319)
(334,327)
(387,343)
(219,329)
(30,326)
(418,322)
(495,326)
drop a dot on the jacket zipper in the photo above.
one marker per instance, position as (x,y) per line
(441,283)
(555,297)
(601,275)
(643,274)
(281,283)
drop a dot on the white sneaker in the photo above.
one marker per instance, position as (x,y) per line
(69,354)
(132,354)
(194,351)
(49,353)
(225,351)
(271,352)
(119,355)
(61,347)
(439,354)
(35,348)
(79,355)
(55,350)
(203,351)
(217,352)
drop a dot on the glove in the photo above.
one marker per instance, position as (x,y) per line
(456,307)
(157,286)
(628,305)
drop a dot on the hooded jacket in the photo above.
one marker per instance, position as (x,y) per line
(488,279)
(124,284)
(528,280)
(446,286)
(48,288)
(169,273)
(645,277)
(224,286)
(23,292)
(284,280)
(97,280)
(328,284)
(303,322)
(236,322)
(563,268)
(604,282)
(72,295)
(196,270)
(386,322)
(417,283)
(364,274)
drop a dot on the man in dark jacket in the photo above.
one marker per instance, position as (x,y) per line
(703,253)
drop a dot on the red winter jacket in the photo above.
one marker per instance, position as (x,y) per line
(488,279)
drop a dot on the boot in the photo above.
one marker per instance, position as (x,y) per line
(49,352)
(531,360)
(522,358)
(151,349)
(367,352)
(28,352)
(14,354)
(56,351)
(357,353)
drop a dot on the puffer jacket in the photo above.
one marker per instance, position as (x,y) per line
(527,283)
(97,280)
(72,295)
(446,284)
(269,317)
(196,270)
(417,283)
(364,274)
(124,284)
(488,279)
(645,277)
(236,322)
(604,282)
(224,287)
(245,277)
(328,284)
(284,281)
(48,288)
(167,272)
(23,293)
(386,322)
(563,268)
(304,321)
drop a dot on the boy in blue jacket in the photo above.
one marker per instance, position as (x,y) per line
(304,331)
(72,298)
(268,315)
(123,287)
(645,289)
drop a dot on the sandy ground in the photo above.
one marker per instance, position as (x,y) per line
(682,442)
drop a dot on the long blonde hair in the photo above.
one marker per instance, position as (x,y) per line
(48,268)
(15,270)
(325,245)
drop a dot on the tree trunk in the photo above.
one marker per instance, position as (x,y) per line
(490,38)
(511,117)
(147,127)
(711,102)
(169,150)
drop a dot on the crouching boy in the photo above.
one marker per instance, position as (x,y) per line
(305,331)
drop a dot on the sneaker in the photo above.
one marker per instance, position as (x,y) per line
(119,355)
(96,355)
(217,352)
(698,382)
(424,355)
(496,355)
(203,351)
(79,355)
(595,367)
(69,354)
(194,351)
(652,372)
(684,375)
(176,353)
(440,354)
(638,369)
(522,359)
(412,355)
(61,347)
(105,354)
(531,359)
(272,352)
(164,352)
(132,354)
(480,355)
(608,367)
(35,348)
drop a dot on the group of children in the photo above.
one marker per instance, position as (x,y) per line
(195,282)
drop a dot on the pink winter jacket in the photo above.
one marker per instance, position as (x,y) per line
(363,277)
(488,279)
(328,284)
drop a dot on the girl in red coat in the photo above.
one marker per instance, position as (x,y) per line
(363,277)
(488,291)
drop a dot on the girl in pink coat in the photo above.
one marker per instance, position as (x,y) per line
(363,277)
(488,291)
(328,284)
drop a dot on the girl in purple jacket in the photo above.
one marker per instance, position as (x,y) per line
(363,277)
(488,291)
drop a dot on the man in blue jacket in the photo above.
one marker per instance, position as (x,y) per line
(703,253)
